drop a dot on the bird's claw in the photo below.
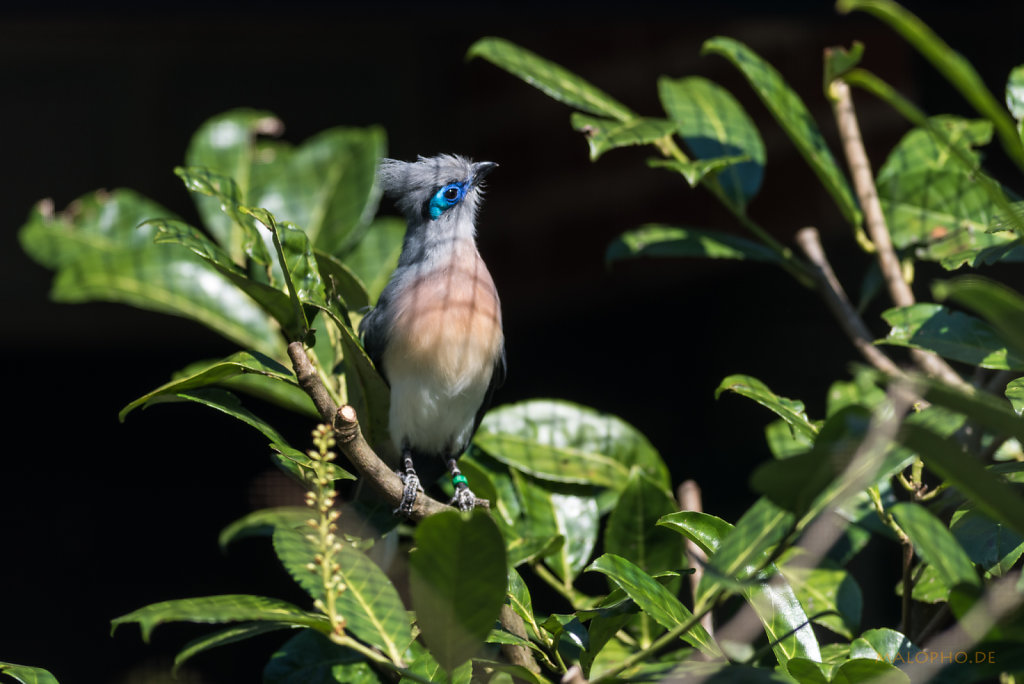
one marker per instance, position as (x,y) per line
(464,499)
(409,493)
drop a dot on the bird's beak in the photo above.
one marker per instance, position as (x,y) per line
(480,170)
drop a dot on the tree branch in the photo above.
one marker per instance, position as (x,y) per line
(350,438)
(867,195)
(689,499)
(835,297)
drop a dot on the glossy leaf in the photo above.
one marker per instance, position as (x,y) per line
(310,657)
(214,609)
(714,125)
(632,531)
(952,334)
(603,134)
(951,64)
(654,599)
(927,148)
(326,186)
(829,595)
(790,410)
(1015,393)
(101,255)
(883,644)
(375,256)
(241,228)
(703,529)
(988,543)
(552,512)
(27,674)
(974,248)
(226,144)
(784,442)
(934,543)
(999,305)
(745,550)
(656,240)
(263,522)
(565,442)
(229,635)
(789,110)
(981,407)
(1015,92)
(215,372)
(551,79)
(990,495)
(869,671)
(367,391)
(371,605)
(785,623)
(696,170)
(457,602)
(341,282)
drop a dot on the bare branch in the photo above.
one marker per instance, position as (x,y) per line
(689,498)
(835,297)
(867,195)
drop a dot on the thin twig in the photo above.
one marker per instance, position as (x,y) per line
(688,495)
(867,195)
(835,297)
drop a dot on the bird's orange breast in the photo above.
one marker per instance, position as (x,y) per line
(448,324)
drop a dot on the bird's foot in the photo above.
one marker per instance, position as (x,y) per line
(411,489)
(464,499)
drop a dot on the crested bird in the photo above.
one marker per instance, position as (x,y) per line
(435,334)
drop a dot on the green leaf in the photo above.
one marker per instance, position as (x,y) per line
(785,623)
(213,373)
(839,60)
(26,674)
(808,481)
(990,495)
(1015,393)
(632,531)
(988,543)
(326,186)
(101,254)
(974,248)
(789,110)
(521,602)
(1015,92)
(745,550)
(340,282)
(703,529)
(981,407)
(549,511)
(930,148)
(215,609)
(830,595)
(935,544)
(868,671)
(371,605)
(951,334)
(884,644)
(551,79)
(565,442)
(654,599)
(366,391)
(784,442)
(608,134)
(309,657)
(998,304)
(223,637)
(697,170)
(656,240)
(374,258)
(714,125)
(227,145)
(201,180)
(456,601)
(790,410)
(263,522)
(952,65)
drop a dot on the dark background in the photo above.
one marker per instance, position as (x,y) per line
(98,518)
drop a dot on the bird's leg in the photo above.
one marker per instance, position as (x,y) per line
(464,498)
(412,484)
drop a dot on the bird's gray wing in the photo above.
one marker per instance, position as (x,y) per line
(373,335)
(497,380)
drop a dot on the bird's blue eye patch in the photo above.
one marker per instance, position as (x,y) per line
(446,198)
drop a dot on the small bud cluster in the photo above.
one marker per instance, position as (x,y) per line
(324,526)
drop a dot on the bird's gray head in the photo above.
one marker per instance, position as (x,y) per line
(432,188)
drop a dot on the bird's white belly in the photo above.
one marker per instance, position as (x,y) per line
(428,415)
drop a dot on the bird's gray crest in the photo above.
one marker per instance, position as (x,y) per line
(412,184)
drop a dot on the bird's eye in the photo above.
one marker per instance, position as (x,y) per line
(451,193)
